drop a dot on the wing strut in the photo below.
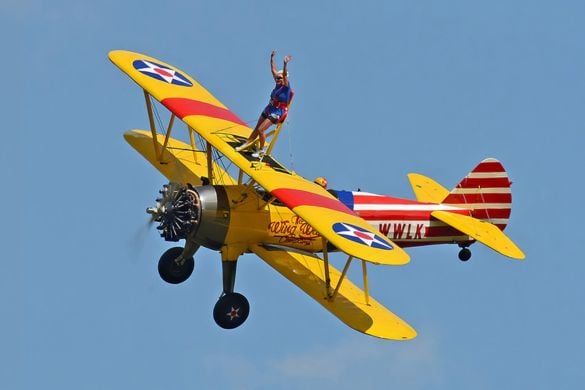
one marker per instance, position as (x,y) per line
(366,288)
(347,263)
(169,129)
(152,124)
(331,296)
(209,163)
(193,145)
(158,152)
(326,261)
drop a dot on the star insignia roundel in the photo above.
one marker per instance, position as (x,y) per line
(360,235)
(161,73)
(233,313)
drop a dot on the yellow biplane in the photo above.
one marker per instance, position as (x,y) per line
(264,208)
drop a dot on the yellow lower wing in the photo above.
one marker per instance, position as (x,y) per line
(426,189)
(349,305)
(178,162)
(482,231)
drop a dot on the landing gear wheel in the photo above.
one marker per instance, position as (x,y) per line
(170,271)
(231,310)
(464,254)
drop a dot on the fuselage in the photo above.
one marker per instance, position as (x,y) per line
(239,215)
(406,222)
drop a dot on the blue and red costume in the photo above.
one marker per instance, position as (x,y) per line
(280,98)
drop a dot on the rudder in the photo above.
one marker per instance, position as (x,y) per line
(486,191)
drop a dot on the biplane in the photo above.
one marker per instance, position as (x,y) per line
(233,203)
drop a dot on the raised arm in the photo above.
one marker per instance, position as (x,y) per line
(272,65)
(284,71)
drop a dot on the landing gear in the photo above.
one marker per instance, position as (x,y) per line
(464,254)
(173,267)
(231,310)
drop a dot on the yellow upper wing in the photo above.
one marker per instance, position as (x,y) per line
(178,92)
(482,231)
(349,305)
(192,103)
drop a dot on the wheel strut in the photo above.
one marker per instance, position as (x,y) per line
(229,275)
(232,309)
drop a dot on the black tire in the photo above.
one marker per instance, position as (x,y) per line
(231,311)
(170,271)
(464,254)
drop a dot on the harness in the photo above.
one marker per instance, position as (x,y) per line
(278,104)
(274,102)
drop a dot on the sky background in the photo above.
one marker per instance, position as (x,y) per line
(383,88)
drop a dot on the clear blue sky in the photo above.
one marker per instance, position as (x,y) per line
(383,88)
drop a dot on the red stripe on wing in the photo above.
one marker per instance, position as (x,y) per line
(183,107)
(293,198)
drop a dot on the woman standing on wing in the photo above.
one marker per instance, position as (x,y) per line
(276,110)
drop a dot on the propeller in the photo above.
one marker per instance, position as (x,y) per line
(177,211)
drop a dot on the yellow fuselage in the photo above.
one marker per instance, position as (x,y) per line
(253,219)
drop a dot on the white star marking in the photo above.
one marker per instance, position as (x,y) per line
(365,237)
(167,74)
(233,313)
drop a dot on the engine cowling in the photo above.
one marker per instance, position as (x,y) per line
(200,214)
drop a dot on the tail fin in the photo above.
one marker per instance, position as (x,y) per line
(426,189)
(486,192)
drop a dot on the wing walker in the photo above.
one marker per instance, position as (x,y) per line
(234,203)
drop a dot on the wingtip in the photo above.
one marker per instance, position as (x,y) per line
(133,134)
(398,331)
(411,335)
(112,54)
(518,256)
(400,257)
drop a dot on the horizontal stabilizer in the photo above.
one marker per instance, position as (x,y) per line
(484,232)
(426,189)
(349,305)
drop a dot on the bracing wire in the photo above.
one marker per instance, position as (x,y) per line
(157,115)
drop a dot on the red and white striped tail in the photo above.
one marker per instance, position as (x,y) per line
(486,191)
